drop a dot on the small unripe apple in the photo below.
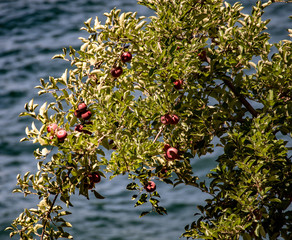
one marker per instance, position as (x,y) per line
(82,107)
(174,119)
(94,177)
(116,71)
(178,84)
(150,186)
(61,135)
(172,153)
(86,115)
(126,57)
(52,127)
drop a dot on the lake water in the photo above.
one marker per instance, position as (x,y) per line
(31,32)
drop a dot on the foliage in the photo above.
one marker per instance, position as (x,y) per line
(226,67)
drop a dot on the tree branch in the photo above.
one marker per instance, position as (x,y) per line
(47,216)
(241,98)
(161,128)
(283,1)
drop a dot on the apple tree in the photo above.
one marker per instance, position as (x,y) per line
(156,94)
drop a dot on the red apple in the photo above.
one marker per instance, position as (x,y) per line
(79,128)
(174,119)
(150,186)
(82,107)
(163,120)
(169,119)
(172,153)
(61,135)
(52,127)
(116,71)
(86,115)
(126,57)
(178,84)
(94,177)
(203,55)
(166,119)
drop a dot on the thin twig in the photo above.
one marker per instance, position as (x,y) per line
(158,134)
(47,216)
(282,1)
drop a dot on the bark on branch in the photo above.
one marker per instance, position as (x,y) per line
(241,98)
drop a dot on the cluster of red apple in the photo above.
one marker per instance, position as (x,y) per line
(82,113)
(171,153)
(169,119)
(94,178)
(60,133)
(118,71)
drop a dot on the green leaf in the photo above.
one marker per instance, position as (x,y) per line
(97,195)
(132,186)
(246,236)
(66,224)
(142,200)
(144,213)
